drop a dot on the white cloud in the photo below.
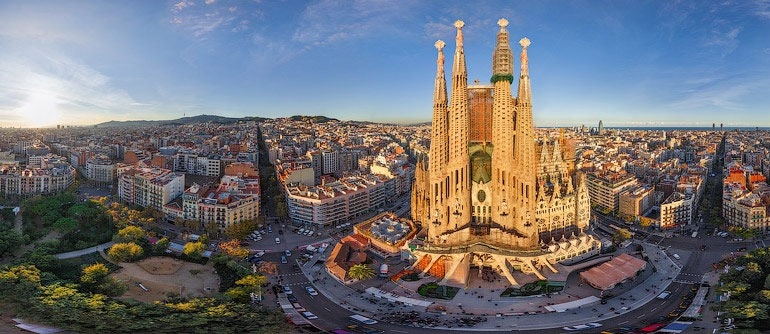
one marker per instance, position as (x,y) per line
(208,2)
(70,87)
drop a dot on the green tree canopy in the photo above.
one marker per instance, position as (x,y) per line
(361,272)
(65,225)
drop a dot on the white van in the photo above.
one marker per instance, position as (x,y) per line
(277,240)
(676,256)
(664,295)
(362,319)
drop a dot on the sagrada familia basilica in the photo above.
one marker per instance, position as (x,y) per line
(491,195)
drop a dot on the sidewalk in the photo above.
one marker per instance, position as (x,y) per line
(367,305)
(74,254)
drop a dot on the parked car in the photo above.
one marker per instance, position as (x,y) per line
(582,327)
(362,319)
(295,267)
(309,315)
(287,253)
(280,231)
(277,240)
(283,260)
(311,291)
(269,229)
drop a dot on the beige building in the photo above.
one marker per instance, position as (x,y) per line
(676,210)
(100,169)
(53,175)
(478,195)
(605,188)
(746,208)
(150,187)
(335,202)
(636,201)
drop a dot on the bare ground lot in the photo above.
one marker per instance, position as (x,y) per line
(164,276)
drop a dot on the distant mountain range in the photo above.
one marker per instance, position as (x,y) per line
(205,119)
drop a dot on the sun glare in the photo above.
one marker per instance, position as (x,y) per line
(40,110)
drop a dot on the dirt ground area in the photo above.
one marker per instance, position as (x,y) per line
(7,325)
(163,276)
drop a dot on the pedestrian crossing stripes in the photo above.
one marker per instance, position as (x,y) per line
(686,282)
(287,275)
(296,284)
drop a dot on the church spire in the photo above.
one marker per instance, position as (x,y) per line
(502,58)
(525,91)
(439,133)
(459,127)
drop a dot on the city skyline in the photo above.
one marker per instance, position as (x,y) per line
(630,64)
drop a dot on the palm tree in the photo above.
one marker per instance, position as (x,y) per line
(361,272)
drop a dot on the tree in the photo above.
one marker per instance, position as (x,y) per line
(160,245)
(125,252)
(194,249)
(96,279)
(252,283)
(752,273)
(233,248)
(65,225)
(9,239)
(361,272)
(621,235)
(131,233)
(745,310)
(281,210)
(645,222)
(267,267)
(241,229)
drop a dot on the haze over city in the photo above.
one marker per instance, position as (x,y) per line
(630,63)
(378,167)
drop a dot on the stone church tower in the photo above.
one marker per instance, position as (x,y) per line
(478,196)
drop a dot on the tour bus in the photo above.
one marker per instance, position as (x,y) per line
(362,319)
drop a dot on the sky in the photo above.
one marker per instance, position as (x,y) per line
(628,63)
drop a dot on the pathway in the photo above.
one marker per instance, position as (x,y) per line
(77,253)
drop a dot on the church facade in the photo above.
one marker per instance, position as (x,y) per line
(490,194)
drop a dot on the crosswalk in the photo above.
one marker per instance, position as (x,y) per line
(296,283)
(289,275)
(688,278)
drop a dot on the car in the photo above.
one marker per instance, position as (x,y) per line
(702,248)
(287,253)
(269,229)
(280,231)
(287,290)
(277,240)
(301,231)
(308,232)
(674,313)
(362,319)
(291,298)
(298,307)
(676,256)
(283,260)
(364,329)
(664,295)
(582,327)
(309,315)
(295,267)
(311,291)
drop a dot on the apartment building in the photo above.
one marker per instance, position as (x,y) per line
(53,176)
(150,187)
(636,201)
(605,188)
(100,169)
(338,201)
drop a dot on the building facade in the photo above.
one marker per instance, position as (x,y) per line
(150,187)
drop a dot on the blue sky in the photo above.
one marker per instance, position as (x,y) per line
(630,63)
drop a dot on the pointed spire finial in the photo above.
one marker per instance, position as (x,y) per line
(525,42)
(502,23)
(459,24)
(439,45)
